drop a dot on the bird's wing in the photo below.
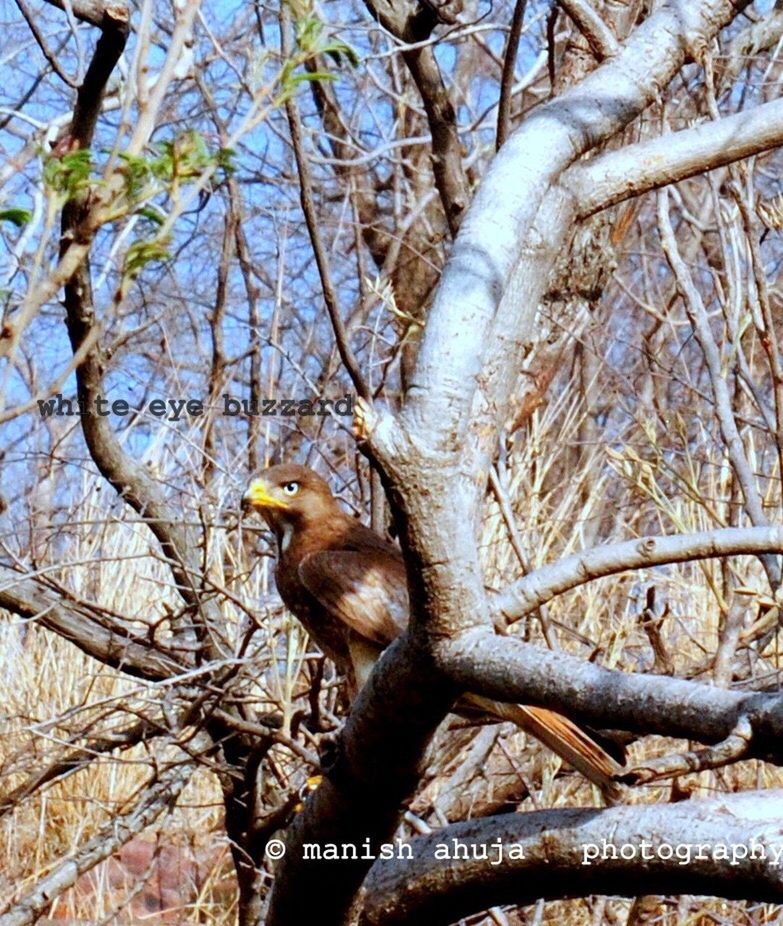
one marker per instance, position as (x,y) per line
(366,592)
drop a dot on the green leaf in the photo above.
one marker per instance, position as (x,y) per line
(137,173)
(69,174)
(301,76)
(151,213)
(337,50)
(141,253)
(16,216)
(225,161)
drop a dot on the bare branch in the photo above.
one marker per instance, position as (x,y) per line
(507,78)
(311,219)
(115,27)
(39,38)
(599,36)
(755,38)
(767,331)
(728,751)
(535,589)
(506,669)
(94,12)
(574,853)
(75,760)
(634,169)
(506,511)
(447,163)
(130,479)
(411,24)
(132,655)
(728,425)
(155,800)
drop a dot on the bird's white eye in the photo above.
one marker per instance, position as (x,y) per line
(291,488)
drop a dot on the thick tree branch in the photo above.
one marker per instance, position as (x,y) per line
(382,744)
(132,655)
(507,669)
(731,845)
(447,166)
(502,213)
(634,169)
(94,12)
(433,454)
(377,766)
(599,36)
(114,34)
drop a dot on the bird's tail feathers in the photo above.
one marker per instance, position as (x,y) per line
(564,738)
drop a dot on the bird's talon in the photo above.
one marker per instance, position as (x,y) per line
(313,781)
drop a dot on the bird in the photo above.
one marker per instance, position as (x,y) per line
(347,586)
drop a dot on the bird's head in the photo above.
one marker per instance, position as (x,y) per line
(289,496)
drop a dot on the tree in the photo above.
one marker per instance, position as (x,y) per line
(563,380)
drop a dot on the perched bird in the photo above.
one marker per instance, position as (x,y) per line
(347,586)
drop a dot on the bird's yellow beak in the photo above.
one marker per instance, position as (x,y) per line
(258,495)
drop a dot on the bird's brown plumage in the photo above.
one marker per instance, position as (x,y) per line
(347,586)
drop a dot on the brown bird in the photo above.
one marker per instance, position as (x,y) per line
(347,586)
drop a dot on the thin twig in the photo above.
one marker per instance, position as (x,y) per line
(516,542)
(47,52)
(507,79)
(732,439)
(311,220)
(728,751)
(156,799)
